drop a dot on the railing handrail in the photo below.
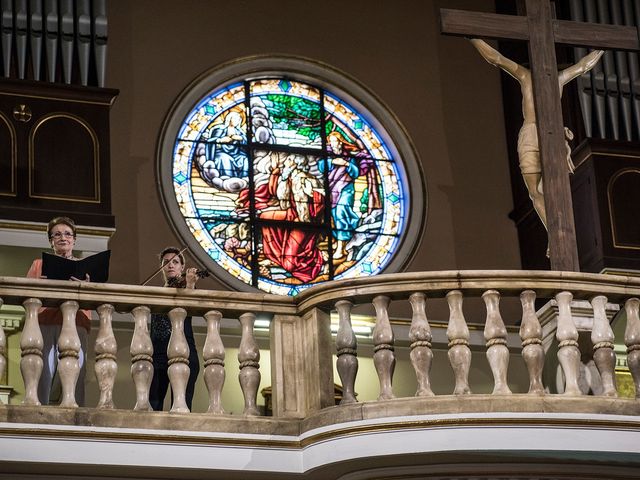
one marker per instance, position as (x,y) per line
(471,283)
(433,284)
(126,297)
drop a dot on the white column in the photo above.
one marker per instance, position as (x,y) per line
(420,337)
(69,354)
(249,358)
(213,355)
(384,357)
(459,351)
(141,350)
(495,334)
(347,352)
(531,336)
(31,344)
(106,349)
(178,355)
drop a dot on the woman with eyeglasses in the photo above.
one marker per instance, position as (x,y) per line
(62,237)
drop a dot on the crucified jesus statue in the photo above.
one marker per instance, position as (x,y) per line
(528,149)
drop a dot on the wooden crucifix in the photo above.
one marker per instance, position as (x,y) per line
(542,32)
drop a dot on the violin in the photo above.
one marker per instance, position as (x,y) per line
(181,280)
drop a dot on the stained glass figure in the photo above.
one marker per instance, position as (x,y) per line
(285,185)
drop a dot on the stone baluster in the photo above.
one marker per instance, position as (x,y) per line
(531,336)
(632,340)
(420,337)
(31,344)
(459,351)
(3,351)
(568,351)
(249,358)
(347,352)
(69,354)
(213,355)
(495,334)
(178,355)
(602,339)
(141,358)
(384,358)
(106,349)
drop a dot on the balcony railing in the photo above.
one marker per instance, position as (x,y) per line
(302,351)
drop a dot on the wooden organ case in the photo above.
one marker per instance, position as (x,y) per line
(54,112)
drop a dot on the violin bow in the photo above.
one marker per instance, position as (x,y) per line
(161,267)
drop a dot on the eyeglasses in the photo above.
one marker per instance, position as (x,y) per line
(59,235)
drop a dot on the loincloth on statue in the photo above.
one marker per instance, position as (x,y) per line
(529,149)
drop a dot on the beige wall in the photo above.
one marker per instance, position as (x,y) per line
(17,260)
(444,94)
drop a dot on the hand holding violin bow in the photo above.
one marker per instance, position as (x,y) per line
(172,266)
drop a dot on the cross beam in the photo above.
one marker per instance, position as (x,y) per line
(515,27)
(542,32)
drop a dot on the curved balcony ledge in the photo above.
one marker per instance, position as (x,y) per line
(368,437)
(340,420)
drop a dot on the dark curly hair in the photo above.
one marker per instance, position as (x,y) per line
(174,250)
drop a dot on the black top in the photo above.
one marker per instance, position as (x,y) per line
(160,335)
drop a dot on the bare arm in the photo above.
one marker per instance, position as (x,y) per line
(585,64)
(494,57)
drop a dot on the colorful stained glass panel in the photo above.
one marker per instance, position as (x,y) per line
(286,120)
(288,187)
(324,200)
(292,256)
(343,116)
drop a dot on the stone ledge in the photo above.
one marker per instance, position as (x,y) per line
(452,406)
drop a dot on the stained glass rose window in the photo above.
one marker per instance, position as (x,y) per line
(283,183)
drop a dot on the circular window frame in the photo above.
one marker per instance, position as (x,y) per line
(321,75)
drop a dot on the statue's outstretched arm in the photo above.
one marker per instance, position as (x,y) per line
(585,64)
(494,57)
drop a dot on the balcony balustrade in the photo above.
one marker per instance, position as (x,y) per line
(303,351)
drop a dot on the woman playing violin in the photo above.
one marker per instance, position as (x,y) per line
(172,262)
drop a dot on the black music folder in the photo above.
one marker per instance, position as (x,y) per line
(60,268)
